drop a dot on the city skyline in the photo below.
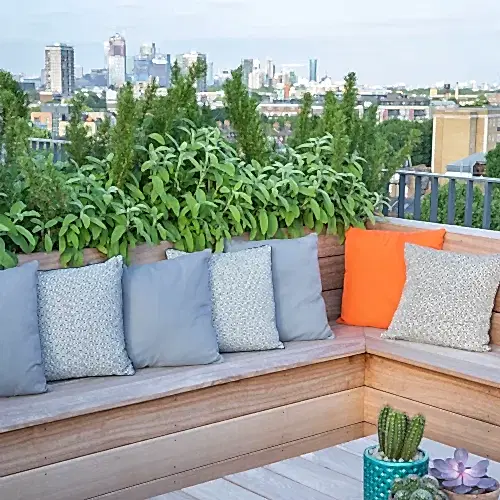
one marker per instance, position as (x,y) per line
(433,42)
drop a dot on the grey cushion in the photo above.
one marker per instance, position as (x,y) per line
(21,370)
(300,308)
(243,310)
(168,313)
(447,299)
(80,316)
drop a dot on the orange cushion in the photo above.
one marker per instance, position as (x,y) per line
(375,273)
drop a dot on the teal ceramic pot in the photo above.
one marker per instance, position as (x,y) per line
(379,475)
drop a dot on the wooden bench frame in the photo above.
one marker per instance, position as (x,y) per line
(147,446)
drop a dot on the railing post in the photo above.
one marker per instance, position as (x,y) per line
(385,208)
(469,200)
(487,205)
(417,212)
(451,201)
(401,196)
(434,199)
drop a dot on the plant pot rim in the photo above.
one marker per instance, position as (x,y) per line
(368,456)
(479,496)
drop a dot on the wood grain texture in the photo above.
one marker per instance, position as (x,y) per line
(319,478)
(118,468)
(454,394)
(85,396)
(271,485)
(444,426)
(238,464)
(480,367)
(71,438)
(332,272)
(333,303)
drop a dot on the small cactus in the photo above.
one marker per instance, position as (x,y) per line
(416,488)
(399,437)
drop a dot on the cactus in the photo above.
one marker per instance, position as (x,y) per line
(414,436)
(399,437)
(382,426)
(416,488)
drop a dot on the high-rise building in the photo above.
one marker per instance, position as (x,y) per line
(60,69)
(142,68)
(313,70)
(185,61)
(148,50)
(160,70)
(270,68)
(210,74)
(247,65)
(117,61)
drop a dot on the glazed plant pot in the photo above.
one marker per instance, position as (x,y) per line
(379,474)
(492,495)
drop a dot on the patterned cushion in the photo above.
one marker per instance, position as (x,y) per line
(447,299)
(81,321)
(243,311)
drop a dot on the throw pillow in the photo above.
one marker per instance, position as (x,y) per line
(81,321)
(375,273)
(168,313)
(21,370)
(300,308)
(447,299)
(243,310)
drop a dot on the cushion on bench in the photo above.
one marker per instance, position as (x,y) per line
(85,396)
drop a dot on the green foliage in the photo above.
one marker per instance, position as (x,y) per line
(123,137)
(399,436)
(493,162)
(305,126)
(100,142)
(417,488)
(242,112)
(77,134)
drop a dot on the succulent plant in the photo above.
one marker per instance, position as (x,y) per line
(454,475)
(399,436)
(417,488)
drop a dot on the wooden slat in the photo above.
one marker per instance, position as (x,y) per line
(81,397)
(238,464)
(480,367)
(443,426)
(319,478)
(333,302)
(457,395)
(328,246)
(495,326)
(58,441)
(118,468)
(332,272)
(275,487)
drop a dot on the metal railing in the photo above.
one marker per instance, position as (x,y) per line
(54,146)
(408,199)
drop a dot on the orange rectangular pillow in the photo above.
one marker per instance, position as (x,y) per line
(375,273)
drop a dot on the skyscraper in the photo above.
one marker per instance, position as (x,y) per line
(210,74)
(160,70)
(60,69)
(247,65)
(313,70)
(269,70)
(117,57)
(185,61)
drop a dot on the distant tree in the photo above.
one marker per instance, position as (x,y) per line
(481,101)
(95,102)
(76,133)
(123,136)
(305,127)
(493,162)
(100,142)
(245,119)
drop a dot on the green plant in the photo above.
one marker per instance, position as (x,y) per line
(416,488)
(79,145)
(399,436)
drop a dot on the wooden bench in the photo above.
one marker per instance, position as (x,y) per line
(166,429)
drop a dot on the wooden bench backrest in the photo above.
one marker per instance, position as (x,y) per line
(331,261)
(462,243)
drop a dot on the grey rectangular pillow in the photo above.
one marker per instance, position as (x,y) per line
(243,310)
(21,370)
(80,315)
(168,313)
(300,308)
(447,299)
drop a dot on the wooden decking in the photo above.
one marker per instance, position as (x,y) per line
(333,473)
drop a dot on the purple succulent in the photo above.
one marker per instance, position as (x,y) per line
(454,475)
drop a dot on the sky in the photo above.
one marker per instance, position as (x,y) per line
(384,41)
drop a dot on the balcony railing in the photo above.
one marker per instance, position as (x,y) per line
(410,188)
(54,146)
